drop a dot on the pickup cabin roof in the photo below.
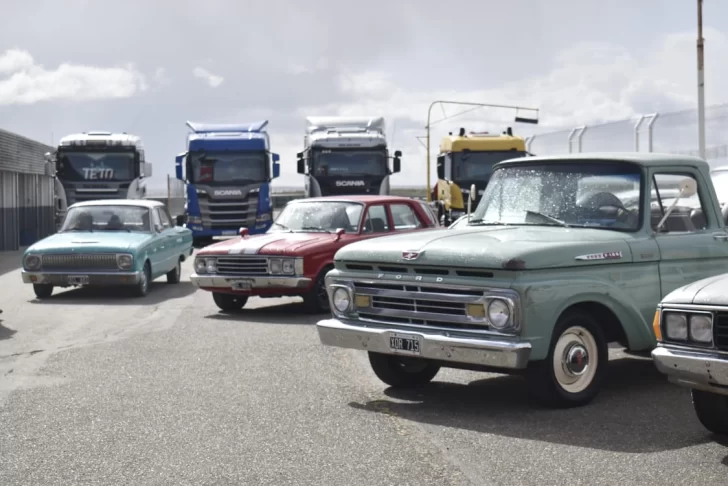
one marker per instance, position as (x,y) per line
(644,159)
(144,203)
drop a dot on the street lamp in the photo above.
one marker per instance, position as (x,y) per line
(701,84)
(518,119)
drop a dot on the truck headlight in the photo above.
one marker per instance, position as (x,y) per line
(289,267)
(701,328)
(124,261)
(342,299)
(275,265)
(205,265)
(499,313)
(32,262)
(676,326)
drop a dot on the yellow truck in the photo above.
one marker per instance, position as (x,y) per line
(467,159)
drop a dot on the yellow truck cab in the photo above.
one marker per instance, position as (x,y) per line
(468,159)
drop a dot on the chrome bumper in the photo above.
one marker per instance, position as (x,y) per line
(702,370)
(477,351)
(266,282)
(61,279)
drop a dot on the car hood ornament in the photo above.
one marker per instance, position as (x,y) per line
(411,254)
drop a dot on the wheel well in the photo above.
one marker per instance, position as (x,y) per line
(609,322)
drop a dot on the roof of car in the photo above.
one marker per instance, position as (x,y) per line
(646,159)
(354,198)
(146,203)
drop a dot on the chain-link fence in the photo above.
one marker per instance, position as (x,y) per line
(675,132)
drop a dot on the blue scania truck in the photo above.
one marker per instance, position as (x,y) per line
(227,170)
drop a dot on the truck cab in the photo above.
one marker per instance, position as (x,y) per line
(227,169)
(346,156)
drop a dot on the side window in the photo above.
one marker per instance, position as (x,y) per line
(688,215)
(376,220)
(430,214)
(156,221)
(165,218)
(404,218)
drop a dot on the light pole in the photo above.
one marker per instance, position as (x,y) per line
(477,105)
(701,84)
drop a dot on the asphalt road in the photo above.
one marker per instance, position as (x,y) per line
(101,388)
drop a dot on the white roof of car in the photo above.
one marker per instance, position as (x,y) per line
(145,203)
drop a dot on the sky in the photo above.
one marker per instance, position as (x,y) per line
(146,67)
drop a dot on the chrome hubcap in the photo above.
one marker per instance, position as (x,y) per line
(576,360)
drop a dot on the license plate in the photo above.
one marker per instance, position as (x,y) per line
(78,279)
(404,343)
(242,284)
(229,233)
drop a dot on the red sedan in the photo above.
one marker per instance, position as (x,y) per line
(293,257)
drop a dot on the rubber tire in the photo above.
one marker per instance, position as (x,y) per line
(43,291)
(543,386)
(712,411)
(388,368)
(229,302)
(173,276)
(140,289)
(311,299)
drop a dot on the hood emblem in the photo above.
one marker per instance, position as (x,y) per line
(411,254)
(607,255)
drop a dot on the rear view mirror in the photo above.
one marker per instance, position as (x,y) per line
(301,166)
(472,192)
(396,165)
(688,187)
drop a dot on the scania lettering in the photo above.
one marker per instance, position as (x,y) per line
(337,149)
(227,169)
(97,165)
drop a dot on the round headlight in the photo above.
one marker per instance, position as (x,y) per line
(701,328)
(200,265)
(342,300)
(124,261)
(32,262)
(498,313)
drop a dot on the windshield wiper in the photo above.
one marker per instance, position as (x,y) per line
(481,222)
(550,218)
(283,226)
(314,228)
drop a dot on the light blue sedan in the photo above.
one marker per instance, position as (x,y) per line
(109,242)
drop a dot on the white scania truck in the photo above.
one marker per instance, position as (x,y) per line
(346,156)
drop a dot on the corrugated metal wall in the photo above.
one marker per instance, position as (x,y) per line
(26,193)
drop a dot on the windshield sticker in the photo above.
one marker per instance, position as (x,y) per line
(96,173)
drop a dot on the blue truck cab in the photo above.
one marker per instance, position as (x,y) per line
(227,169)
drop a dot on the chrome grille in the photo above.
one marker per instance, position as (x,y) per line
(80,261)
(242,265)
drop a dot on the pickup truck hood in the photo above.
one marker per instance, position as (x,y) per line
(278,243)
(496,247)
(708,291)
(89,241)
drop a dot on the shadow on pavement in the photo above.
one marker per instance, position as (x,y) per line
(6,332)
(158,292)
(638,411)
(291,313)
(10,262)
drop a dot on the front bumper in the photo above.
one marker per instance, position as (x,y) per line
(492,352)
(64,279)
(701,370)
(251,283)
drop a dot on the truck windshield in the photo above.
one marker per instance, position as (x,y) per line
(470,166)
(93,166)
(229,167)
(562,194)
(349,162)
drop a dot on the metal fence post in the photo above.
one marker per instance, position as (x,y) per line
(529,141)
(637,133)
(571,138)
(653,118)
(579,137)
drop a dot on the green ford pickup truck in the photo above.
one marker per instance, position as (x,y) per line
(562,256)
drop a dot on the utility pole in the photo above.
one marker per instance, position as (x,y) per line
(701,84)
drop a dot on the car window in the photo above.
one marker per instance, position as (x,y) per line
(376,220)
(429,212)
(404,218)
(165,219)
(688,215)
(156,221)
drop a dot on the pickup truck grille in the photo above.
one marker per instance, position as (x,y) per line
(720,330)
(75,262)
(419,306)
(242,265)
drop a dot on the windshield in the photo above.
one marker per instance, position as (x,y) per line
(349,163)
(94,166)
(107,218)
(562,194)
(468,166)
(229,167)
(319,216)
(720,183)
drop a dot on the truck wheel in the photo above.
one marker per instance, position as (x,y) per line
(402,372)
(142,287)
(712,411)
(317,299)
(573,372)
(229,302)
(43,291)
(173,276)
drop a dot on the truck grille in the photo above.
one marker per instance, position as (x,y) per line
(242,265)
(228,213)
(720,330)
(419,305)
(76,262)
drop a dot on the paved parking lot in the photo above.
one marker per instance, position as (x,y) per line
(101,388)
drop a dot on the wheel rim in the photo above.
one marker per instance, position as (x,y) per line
(575,359)
(145,280)
(321,294)
(178,270)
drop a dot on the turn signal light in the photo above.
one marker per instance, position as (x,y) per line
(656,325)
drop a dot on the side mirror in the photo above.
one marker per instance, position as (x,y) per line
(440,172)
(147,169)
(398,153)
(180,220)
(243,232)
(48,157)
(688,187)
(396,164)
(178,166)
(275,157)
(339,232)
(301,166)
(276,170)
(473,192)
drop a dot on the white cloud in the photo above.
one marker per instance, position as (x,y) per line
(212,80)
(23,81)
(322,64)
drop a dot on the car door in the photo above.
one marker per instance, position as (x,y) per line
(376,221)
(175,241)
(693,242)
(160,246)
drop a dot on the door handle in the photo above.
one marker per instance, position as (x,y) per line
(720,236)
